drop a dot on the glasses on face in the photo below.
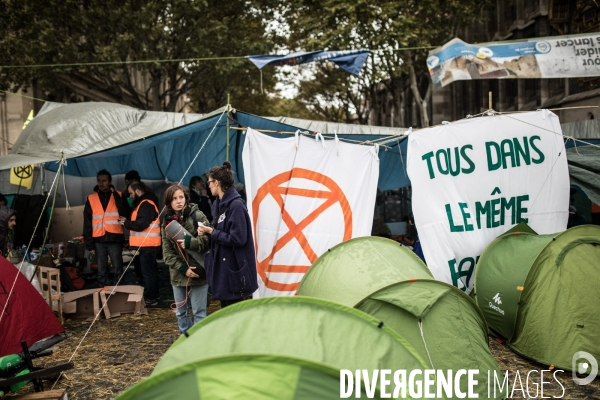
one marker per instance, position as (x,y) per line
(209,182)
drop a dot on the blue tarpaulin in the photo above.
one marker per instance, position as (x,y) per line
(350,61)
(167,155)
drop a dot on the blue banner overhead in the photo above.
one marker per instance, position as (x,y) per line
(350,61)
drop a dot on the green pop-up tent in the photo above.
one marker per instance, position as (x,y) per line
(388,281)
(315,336)
(241,376)
(541,292)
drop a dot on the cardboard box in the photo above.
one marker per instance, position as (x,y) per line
(126,299)
(66,224)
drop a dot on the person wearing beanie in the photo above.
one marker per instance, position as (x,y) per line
(134,176)
(144,239)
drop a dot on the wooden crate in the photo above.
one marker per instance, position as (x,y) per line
(49,279)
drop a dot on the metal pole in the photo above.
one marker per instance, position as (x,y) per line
(228,144)
(47,230)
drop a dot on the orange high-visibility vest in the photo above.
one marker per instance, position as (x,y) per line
(149,237)
(104,221)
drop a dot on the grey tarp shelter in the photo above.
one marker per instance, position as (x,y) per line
(103,135)
(161,145)
(85,128)
(584,161)
(541,292)
(388,281)
(584,170)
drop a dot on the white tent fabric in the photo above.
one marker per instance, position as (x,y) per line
(85,128)
(588,129)
(334,127)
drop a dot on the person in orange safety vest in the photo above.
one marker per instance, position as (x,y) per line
(102,232)
(144,237)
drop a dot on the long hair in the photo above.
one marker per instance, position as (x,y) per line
(168,199)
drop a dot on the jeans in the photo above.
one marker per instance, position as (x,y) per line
(115,252)
(196,304)
(150,273)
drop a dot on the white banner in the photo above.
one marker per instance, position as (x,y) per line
(474,179)
(304,197)
(550,57)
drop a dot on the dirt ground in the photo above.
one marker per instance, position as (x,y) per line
(121,351)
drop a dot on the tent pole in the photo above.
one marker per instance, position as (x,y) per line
(47,230)
(228,144)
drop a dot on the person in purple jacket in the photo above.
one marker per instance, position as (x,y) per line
(231,262)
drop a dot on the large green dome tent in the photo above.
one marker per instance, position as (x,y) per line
(541,292)
(317,335)
(389,282)
(313,329)
(242,376)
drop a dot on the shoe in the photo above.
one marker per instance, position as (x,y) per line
(151,303)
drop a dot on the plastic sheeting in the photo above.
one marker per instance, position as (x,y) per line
(161,146)
(588,129)
(584,170)
(85,128)
(168,155)
(336,127)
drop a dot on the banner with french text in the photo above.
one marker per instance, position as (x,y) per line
(550,57)
(474,179)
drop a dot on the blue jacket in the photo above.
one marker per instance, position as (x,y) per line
(231,263)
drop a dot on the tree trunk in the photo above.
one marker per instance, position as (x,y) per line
(173,89)
(156,82)
(421,102)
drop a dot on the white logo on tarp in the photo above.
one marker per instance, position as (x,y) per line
(497,298)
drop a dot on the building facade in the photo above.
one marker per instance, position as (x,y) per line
(14,109)
(523,19)
(75,88)
(393,103)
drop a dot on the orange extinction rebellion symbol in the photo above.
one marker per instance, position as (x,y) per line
(272,187)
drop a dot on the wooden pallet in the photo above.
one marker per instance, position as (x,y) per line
(49,279)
